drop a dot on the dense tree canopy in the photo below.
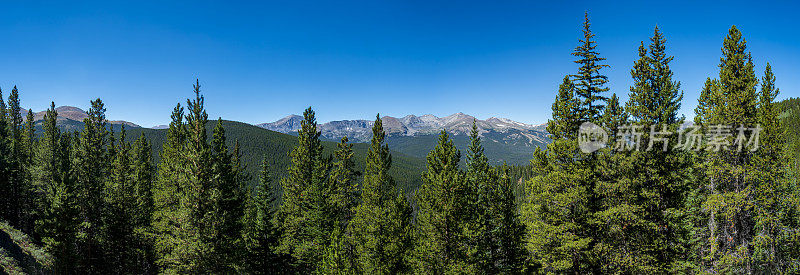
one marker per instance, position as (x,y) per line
(654,194)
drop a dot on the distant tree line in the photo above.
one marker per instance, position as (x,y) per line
(100,204)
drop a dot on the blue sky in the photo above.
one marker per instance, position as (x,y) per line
(260,61)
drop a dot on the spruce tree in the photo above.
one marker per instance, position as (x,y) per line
(443,213)
(142,176)
(198,207)
(261,233)
(556,211)
(341,195)
(226,170)
(119,241)
(57,223)
(5,162)
(775,218)
(91,164)
(197,197)
(27,207)
(381,227)
(643,191)
(166,192)
(304,234)
(496,232)
(731,102)
(16,176)
(589,82)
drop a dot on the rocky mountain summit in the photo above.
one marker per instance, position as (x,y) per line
(496,129)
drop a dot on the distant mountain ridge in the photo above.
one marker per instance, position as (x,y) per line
(412,125)
(504,139)
(74,114)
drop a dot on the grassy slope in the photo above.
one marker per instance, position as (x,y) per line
(18,255)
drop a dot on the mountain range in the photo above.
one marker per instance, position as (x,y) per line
(505,140)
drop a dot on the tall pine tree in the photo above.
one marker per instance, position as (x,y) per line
(57,224)
(166,190)
(443,213)
(496,231)
(381,228)
(305,235)
(261,234)
(725,105)
(556,210)
(91,163)
(589,82)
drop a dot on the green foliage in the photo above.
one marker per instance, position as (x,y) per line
(381,227)
(750,216)
(560,201)
(91,164)
(495,230)
(55,189)
(443,213)
(642,192)
(305,233)
(589,82)
(261,231)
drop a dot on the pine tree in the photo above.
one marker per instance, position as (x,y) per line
(91,164)
(565,112)
(775,218)
(142,176)
(496,231)
(304,234)
(342,196)
(731,102)
(196,216)
(381,227)
(510,230)
(166,191)
(556,210)
(199,210)
(57,225)
(589,82)
(16,176)
(27,207)
(443,213)
(5,162)
(643,191)
(261,234)
(226,169)
(119,240)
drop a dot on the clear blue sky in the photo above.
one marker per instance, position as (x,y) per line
(258,62)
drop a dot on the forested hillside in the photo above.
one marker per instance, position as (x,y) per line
(623,188)
(256,142)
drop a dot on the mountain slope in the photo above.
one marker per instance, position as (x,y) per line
(71,115)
